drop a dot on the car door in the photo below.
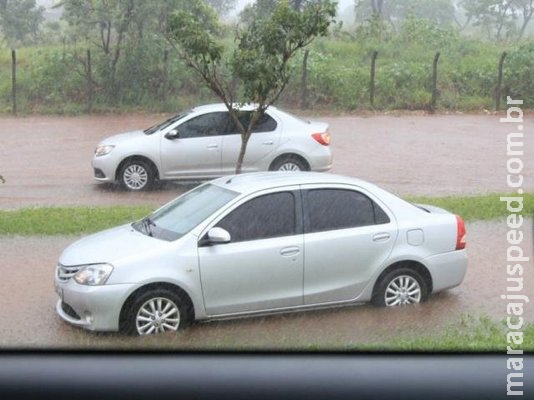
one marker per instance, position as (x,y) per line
(347,237)
(263,140)
(196,149)
(261,267)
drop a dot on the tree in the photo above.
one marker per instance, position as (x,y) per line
(223,7)
(19,19)
(396,11)
(496,17)
(258,69)
(121,31)
(526,9)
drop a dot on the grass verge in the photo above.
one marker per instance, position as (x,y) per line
(473,208)
(474,334)
(67,220)
(83,220)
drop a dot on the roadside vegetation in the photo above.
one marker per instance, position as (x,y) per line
(111,56)
(84,220)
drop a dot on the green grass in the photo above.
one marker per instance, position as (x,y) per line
(468,334)
(83,220)
(472,208)
(67,220)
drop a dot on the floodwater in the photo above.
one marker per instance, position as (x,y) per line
(28,319)
(47,160)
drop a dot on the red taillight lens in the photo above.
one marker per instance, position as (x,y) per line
(322,138)
(460,233)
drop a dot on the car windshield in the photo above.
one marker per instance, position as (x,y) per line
(178,217)
(164,124)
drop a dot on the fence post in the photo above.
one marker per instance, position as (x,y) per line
(14,81)
(372,79)
(499,82)
(304,83)
(165,77)
(89,83)
(434,81)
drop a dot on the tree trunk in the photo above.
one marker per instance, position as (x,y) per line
(242,151)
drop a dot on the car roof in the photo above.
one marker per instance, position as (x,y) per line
(222,107)
(252,182)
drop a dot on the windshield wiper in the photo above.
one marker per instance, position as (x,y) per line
(148,223)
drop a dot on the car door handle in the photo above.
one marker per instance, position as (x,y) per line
(268,142)
(290,251)
(213,146)
(381,237)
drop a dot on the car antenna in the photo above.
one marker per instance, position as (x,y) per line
(230,180)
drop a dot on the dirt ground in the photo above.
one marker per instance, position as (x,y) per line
(46,161)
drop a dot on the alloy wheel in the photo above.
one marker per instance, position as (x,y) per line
(135,177)
(157,315)
(404,289)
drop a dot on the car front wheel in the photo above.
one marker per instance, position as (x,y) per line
(157,311)
(136,175)
(399,287)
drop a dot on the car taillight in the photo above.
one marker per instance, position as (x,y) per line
(322,138)
(460,233)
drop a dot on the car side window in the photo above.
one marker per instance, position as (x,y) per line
(265,123)
(212,124)
(329,209)
(267,216)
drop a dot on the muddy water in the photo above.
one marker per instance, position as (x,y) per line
(46,160)
(28,320)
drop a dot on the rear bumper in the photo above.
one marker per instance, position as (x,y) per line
(321,159)
(447,269)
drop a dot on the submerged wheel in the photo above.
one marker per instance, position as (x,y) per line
(401,286)
(289,163)
(157,311)
(136,175)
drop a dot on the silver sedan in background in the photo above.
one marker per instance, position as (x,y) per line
(204,143)
(260,243)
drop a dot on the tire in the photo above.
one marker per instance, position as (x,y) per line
(136,175)
(401,286)
(288,163)
(145,314)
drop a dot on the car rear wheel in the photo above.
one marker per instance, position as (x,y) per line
(399,287)
(136,175)
(157,311)
(289,163)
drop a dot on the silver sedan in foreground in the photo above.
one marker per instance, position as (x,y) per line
(260,243)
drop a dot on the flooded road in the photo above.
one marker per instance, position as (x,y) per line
(47,160)
(28,319)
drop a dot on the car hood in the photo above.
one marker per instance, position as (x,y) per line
(108,246)
(123,137)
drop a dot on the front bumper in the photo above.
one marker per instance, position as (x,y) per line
(104,168)
(96,308)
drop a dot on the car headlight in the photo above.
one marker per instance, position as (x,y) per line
(93,275)
(102,150)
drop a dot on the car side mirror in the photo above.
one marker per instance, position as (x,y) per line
(172,134)
(215,236)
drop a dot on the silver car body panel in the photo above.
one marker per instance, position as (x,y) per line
(288,273)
